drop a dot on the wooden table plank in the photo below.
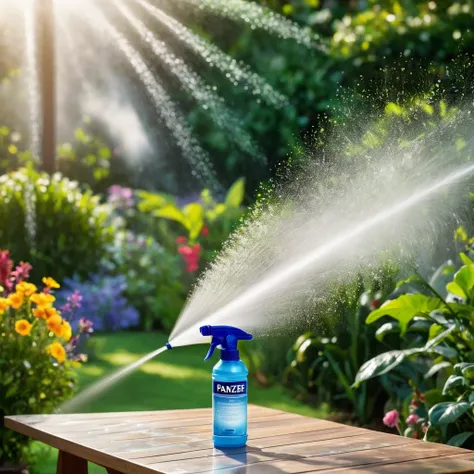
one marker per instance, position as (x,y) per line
(179,442)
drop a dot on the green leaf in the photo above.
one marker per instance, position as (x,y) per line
(439,338)
(453,412)
(153,201)
(194,214)
(463,282)
(465,259)
(453,381)
(459,439)
(437,411)
(235,196)
(458,368)
(433,396)
(405,308)
(468,372)
(382,364)
(436,368)
(172,213)
(387,328)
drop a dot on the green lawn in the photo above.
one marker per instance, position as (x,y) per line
(163,383)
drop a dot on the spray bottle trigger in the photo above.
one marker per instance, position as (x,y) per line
(214,344)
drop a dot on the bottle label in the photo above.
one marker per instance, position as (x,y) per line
(230,388)
(230,408)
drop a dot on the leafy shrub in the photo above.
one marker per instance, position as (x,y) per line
(322,364)
(207,220)
(439,362)
(50,222)
(103,302)
(154,278)
(37,352)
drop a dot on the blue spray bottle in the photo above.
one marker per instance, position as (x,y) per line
(229,387)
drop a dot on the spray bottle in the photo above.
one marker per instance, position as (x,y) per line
(229,387)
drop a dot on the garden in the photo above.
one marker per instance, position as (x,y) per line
(101,248)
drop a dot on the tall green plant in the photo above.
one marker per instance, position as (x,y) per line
(441,361)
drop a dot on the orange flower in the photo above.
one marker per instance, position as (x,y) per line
(4,304)
(54,324)
(44,300)
(66,333)
(26,288)
(16,300)
(23,327)
(57,351)
(40,313)
(50,283)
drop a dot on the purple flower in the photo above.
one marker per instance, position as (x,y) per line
(85,326)
(100,302)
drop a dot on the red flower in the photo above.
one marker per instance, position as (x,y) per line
(190,256)
(6,265)
(374,304)
(205,231)
(192,267)
(181,240)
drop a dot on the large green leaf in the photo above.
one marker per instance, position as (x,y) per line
(459,439)
(436,368)
(447,412)
(382,364)
(173,213)
(463,282)
(453,381)
(194,214)
(437,411)
(235,195)
(153,201)
(405,308)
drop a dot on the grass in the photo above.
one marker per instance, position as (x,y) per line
(176,379)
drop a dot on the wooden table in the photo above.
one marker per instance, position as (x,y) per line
(179,442)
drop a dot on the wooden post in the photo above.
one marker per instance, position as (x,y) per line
(45,28)
(70,464)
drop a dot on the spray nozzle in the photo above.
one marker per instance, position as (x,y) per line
(227,337)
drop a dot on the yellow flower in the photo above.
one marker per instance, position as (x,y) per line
(57,351)
(50,283)
(4,304)
(66,332)
(23,327)
(40,313)
(26,288)
(44,300)
(16,300)
(54,324)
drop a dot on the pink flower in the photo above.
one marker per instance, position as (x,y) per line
(185,250)
(425,428)
(391,419)
(205,231)
(21,272)
(181,240)
(412,419)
